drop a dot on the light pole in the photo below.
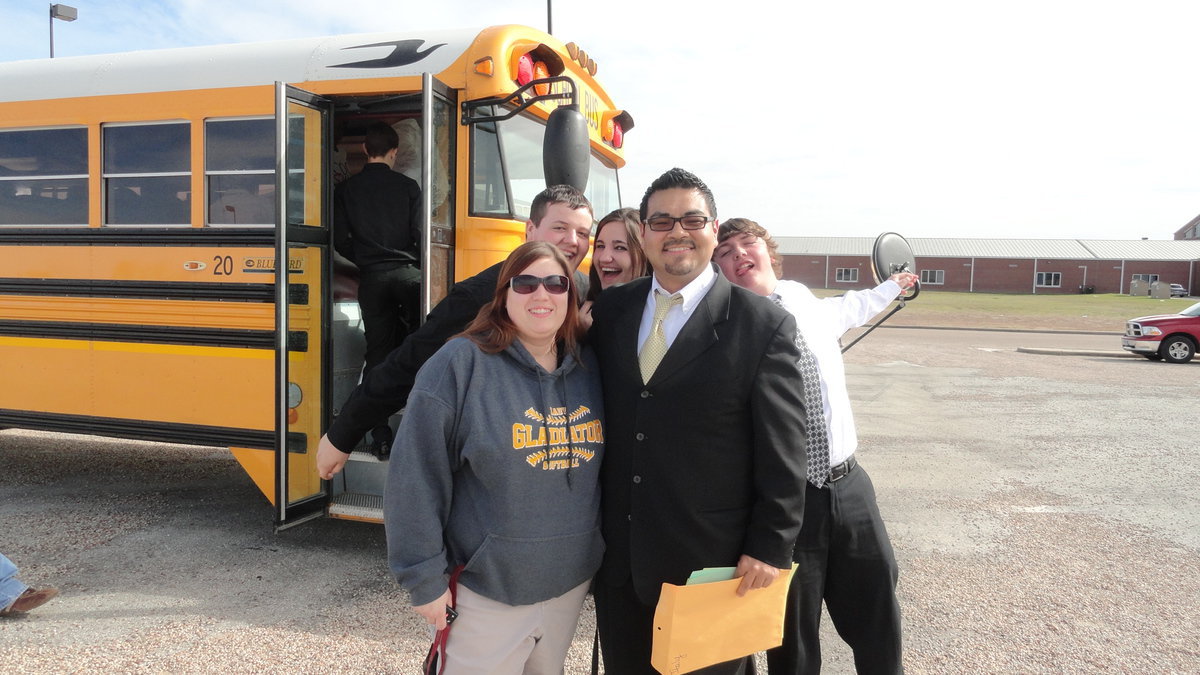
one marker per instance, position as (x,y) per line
(64,13)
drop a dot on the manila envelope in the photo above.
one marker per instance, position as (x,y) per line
(703,624)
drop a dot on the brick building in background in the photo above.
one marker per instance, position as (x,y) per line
(1000,265)
(1189,231)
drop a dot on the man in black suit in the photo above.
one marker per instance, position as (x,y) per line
(377,223)
(700,468)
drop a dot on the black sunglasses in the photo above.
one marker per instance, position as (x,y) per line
(524,284)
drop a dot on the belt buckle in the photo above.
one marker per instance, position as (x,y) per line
(844,467)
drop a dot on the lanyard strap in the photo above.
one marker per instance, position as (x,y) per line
(435,660)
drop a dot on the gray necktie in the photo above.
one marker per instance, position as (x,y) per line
(655,347)
(814,410)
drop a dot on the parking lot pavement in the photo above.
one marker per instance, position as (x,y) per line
(1042,507)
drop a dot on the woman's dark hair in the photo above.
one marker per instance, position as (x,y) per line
(494,331)
(633,236)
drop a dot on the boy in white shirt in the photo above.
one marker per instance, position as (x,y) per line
(843,551)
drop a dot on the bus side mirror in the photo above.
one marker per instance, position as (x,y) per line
(566,148)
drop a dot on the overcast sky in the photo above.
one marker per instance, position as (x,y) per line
(931,118)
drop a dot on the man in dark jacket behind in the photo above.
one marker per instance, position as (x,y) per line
(560,215)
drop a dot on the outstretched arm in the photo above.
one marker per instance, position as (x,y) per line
(385,389)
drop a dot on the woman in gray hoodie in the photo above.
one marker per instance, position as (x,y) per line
(495,472)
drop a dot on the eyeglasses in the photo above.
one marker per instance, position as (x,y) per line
(667,223)
(524,284)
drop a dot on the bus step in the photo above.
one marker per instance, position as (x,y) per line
(357,506)
(363,454)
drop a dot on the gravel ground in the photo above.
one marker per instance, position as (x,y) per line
(1043,508)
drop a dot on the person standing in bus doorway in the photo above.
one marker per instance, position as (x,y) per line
(15,596)
(702,415)
(560,215)
(843,553)
(377,226)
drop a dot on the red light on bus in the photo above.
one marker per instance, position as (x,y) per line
(525,69)
(611,128)
(529,70)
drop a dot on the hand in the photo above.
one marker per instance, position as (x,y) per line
(330,460)
(754,574)
(905,280)
(434,612)
(585,315)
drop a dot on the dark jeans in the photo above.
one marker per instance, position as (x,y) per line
(626,633)
(846,559)
(390,300)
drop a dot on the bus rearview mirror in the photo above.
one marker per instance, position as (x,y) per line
(566,148)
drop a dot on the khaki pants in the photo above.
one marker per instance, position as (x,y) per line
(492,638)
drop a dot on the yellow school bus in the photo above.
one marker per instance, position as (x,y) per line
(166,262)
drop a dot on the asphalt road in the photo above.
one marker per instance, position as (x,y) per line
(1043,507)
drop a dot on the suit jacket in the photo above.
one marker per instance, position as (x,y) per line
(377,218)
(706,461)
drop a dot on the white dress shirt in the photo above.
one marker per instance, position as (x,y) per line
(822,322)
(678,315)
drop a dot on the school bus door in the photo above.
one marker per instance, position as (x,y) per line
(302,271)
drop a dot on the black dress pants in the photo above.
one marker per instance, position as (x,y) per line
(627,631)
(390,303)
(845,559)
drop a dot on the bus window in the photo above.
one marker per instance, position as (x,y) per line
(305,131)
(521,147)
(602,187)
(43,177)
(489,196)
(147,174)
(239,168)
(508,157)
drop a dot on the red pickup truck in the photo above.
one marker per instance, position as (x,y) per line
(1167,337)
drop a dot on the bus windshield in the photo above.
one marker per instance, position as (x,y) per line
(512,149)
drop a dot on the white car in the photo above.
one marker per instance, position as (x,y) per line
(1178,291)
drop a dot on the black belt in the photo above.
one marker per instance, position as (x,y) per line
(839,471)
